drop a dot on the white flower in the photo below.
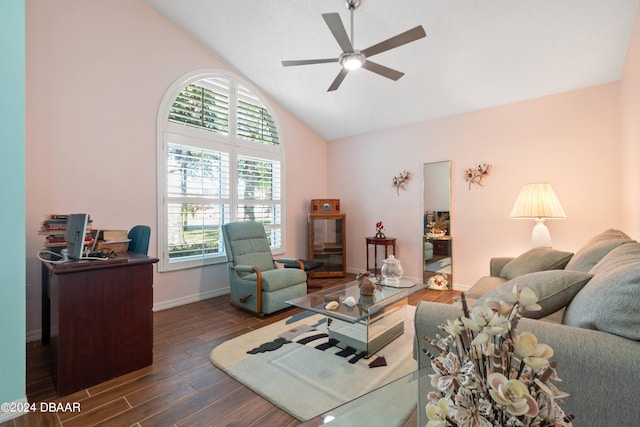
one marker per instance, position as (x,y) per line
(498,306)
(453,327)
(447,370)
(513,395)
(481,315)
(451,363)
(533,354)
(525,297)
(437,413)
(484,320)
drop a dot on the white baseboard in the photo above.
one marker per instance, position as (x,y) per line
(164,305)
(6,416)
(461,287)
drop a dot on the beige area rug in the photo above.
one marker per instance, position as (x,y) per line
(306,382)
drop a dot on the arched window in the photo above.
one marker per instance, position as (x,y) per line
(219,161)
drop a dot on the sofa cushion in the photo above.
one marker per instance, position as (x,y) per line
(554,288)
(610,302)
(596,248)
(537,259)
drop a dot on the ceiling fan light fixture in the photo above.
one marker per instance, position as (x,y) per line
(352,60)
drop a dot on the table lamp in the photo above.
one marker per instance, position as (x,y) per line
(538,201)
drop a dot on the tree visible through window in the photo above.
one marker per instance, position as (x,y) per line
(221,161)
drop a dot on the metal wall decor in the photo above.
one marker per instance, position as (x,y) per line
(476,174)
(401,181)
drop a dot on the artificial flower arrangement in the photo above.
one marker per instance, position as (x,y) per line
(486,375)
(439,226)
(379,228)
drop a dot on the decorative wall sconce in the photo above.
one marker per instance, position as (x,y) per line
(401,181)
(477,174)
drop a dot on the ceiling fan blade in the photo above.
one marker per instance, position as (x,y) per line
(337,29)
(387,72)
(339,78)
(308,62)
(399,40)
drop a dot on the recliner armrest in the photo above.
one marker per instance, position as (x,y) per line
(291,263)
(496,264)
(287,260)
(244,268)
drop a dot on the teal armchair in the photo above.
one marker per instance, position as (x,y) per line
(257,283)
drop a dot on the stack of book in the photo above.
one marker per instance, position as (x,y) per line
(53,228)
(116,240)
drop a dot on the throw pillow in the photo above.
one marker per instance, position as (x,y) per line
(596,248)
(554,288)
(610,302)
(537,259)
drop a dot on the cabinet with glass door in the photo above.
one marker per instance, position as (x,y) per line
(327,242)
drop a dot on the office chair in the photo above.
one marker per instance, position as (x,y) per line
(139,236)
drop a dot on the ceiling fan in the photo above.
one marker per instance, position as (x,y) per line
(351,58)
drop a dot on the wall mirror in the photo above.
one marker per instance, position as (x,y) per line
(437,239)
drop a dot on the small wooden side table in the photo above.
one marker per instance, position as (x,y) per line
(386,242)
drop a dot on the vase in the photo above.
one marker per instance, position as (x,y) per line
(391,271)
(379,235)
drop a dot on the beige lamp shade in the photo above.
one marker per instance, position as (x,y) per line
(538,201)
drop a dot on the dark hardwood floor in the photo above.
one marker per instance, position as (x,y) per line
(181,387)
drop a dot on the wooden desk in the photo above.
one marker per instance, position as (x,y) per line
(97,316)
(387,242)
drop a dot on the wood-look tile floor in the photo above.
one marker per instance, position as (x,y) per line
(181,387)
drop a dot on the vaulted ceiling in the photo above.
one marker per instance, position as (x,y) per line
(477,53)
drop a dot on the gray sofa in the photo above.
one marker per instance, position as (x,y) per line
(597,343)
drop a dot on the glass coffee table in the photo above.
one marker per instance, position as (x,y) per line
(400,403)
(370,323)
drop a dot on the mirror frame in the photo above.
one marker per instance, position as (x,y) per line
(443,247)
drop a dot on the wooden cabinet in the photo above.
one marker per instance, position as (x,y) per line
(327,244)
(441,246)
(98,319)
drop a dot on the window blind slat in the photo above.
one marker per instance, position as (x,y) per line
(200,107)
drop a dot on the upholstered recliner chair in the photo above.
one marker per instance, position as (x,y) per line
(256,282)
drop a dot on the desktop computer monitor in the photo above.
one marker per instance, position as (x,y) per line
(74,235)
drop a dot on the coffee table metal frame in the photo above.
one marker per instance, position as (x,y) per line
(373,322)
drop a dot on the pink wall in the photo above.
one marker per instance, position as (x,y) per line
(96,72)
(630,132)
(570,140)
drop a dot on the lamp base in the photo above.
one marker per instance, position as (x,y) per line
(540,236)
